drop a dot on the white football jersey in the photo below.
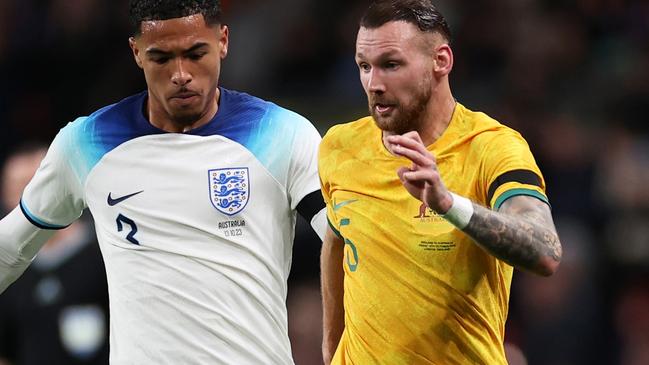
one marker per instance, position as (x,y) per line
(196,229)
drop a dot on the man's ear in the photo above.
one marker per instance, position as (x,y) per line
(224,33)
(443,60)
(132,42)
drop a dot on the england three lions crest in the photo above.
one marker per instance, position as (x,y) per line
(229,189)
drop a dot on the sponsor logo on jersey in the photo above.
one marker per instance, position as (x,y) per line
(229,189)
(423,211)
(114,201)
(343,203)
(427,215)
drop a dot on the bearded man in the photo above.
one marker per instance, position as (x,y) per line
(418,260)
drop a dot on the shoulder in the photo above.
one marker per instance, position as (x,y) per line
(125,112)
(295,120)
(343,143)
(349,134)
(120,116)
(246,109)
(276,136)
(246,104)
(87,139)
(241,103)
(486,132)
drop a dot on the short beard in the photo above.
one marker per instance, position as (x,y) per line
(405,118)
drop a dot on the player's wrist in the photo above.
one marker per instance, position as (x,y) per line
(460,212)
(444,204)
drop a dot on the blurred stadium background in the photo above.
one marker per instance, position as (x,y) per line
(572,76)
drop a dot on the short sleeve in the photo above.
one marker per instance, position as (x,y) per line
(303,168)
(326,168)
(53,199)
(510,170)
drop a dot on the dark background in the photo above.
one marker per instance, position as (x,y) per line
(571,76)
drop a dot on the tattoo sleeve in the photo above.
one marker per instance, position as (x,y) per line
(522,234)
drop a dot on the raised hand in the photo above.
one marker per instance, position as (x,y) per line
(422,179)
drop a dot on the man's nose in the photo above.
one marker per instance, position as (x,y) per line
(180,76)
(375,82)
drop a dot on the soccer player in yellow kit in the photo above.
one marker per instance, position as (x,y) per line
(430,206)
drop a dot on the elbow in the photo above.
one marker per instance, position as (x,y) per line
(547,266)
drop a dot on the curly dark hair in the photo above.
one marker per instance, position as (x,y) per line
(143,10)
(422,13)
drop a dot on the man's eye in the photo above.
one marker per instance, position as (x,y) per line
(196,56)
(160,60)
(364,67)
(391,65)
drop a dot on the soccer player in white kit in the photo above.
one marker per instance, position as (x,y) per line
(194,191)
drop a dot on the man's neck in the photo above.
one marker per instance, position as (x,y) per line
(438,117)
(160,119)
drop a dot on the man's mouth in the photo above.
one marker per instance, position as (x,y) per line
(383,108)
(184,98)
(184,95)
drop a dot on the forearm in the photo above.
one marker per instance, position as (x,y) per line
(19,243)
(521,233)
(332,282)
(522,240)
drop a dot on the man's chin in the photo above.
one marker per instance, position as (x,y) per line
(389,124)
(186,118)
(382,122)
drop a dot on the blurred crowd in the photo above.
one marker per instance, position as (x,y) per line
(571,76)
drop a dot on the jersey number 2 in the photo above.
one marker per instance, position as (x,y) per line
(121,220)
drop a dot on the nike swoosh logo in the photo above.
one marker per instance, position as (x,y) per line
(116,201)
(343,203)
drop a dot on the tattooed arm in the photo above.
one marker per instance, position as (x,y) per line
(521,233)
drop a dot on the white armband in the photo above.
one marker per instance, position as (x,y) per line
(461,211)
(319,223)
(19,242)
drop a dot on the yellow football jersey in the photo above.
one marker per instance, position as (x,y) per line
(418,290)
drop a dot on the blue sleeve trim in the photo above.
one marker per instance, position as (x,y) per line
(37,222)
